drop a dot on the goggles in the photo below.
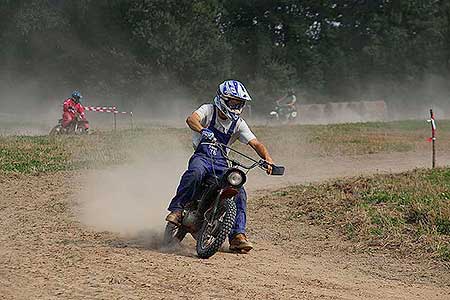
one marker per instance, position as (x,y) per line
(233,103)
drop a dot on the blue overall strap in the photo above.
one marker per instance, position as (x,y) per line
(213,120)
(232,127)
(222,137)
(213,123)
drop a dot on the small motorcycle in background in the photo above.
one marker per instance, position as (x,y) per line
(77,126)
(283,114)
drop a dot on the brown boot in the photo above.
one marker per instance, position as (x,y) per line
(240,243)
(174,217)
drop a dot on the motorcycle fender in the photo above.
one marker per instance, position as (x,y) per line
(228,192)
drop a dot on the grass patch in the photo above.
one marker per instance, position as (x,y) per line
(352,138)
(444,252)
(32,154)
(35,154)
(407,212)
(47,154)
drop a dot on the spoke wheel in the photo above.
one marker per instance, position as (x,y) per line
(213,233)
(56,130)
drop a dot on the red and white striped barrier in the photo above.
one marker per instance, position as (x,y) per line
(108,109)
(123,112)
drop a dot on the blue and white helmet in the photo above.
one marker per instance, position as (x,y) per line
(231,90)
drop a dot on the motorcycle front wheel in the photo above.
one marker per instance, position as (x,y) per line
(56,130)
(214,232)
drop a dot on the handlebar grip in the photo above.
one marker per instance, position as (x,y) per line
(276,170)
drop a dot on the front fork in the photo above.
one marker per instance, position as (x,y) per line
(224,193)
(214,208)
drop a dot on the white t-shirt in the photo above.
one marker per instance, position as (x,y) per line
(241,131)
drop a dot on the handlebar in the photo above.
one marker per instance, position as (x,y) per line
(263,164)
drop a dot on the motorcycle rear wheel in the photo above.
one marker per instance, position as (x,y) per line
(212,234)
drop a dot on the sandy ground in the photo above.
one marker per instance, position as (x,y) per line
(46,252)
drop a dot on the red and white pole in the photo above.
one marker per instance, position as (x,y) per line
(433,137)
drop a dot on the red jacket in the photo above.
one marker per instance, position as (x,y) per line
(72,108)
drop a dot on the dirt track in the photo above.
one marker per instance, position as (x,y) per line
(46,253)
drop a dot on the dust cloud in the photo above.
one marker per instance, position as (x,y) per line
(24,111)
(29,108)
(131,199)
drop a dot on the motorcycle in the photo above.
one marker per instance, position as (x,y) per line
(210,216)
(77,126)
(283,114)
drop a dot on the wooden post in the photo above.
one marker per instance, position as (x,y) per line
(115,121)
(131,116)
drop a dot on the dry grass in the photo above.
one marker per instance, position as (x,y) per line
(352,139)
(407,213)
(37,154)
(43,154)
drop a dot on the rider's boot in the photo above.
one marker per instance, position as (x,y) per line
(174,217)
(240,243)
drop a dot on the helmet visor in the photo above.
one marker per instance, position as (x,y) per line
(234,103)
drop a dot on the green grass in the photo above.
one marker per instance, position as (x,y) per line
(32,154)
(44,154)
(408,212)
(37,154)
(444,252)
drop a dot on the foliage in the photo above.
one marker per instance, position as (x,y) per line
(328,50)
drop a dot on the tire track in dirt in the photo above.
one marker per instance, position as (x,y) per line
(46,253)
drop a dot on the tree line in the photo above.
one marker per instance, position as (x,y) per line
(139,50)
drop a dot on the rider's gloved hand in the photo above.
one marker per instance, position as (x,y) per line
(208,134)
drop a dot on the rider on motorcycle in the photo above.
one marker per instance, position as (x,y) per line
(219,121)
(285,109)
(288,100)
(73,107)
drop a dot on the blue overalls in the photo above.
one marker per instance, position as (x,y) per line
(200,165)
